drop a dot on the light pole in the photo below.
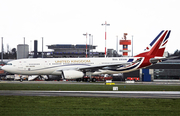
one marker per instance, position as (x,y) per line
(117,44)
(86,43)
(105,34)
(89,44)
(24,56)
(42,47)
(92,45)
(132,45)
(2,50)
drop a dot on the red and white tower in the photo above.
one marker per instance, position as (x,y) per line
(125,44)
(105,34)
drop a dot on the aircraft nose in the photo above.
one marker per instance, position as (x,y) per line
(3,68)
(7,68)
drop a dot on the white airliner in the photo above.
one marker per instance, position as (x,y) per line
(73,68)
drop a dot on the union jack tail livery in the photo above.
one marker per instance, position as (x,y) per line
(154,52)
(157,46)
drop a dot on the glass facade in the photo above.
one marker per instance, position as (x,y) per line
(167,74)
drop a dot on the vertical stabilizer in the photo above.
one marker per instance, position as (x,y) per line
(157,46)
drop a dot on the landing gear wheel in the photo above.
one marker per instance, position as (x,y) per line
(88,80)
(93,79)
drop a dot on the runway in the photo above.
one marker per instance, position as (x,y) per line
(115,94)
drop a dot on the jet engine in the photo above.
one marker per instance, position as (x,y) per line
(72,74)
(154,61)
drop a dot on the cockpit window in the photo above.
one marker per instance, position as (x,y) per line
(9,63)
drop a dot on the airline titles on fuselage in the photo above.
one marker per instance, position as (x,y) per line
(79,61)
(72,61)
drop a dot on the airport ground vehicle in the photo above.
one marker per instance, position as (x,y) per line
(132,78)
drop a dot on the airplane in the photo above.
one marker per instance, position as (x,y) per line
(74,68)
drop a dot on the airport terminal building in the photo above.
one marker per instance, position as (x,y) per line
(78,50)
(69,50)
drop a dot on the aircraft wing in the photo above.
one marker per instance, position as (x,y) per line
(93,68)
(105,66)
(102,66)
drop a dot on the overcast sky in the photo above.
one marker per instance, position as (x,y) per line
(65,22)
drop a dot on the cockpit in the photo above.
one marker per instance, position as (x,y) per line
(9,64)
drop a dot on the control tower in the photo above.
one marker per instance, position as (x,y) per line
(125,44)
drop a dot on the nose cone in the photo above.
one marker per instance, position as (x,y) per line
(6,68)
(3,68)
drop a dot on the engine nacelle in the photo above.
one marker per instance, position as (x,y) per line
(72,74)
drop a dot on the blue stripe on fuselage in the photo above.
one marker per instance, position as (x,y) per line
(130,60)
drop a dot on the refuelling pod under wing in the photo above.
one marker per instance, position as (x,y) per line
(72,74)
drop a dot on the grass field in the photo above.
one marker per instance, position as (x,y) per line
(87,87)
(54,106)
(91,106)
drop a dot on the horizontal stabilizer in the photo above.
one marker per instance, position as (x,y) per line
(160,59)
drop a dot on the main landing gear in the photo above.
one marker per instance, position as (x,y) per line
(86,79)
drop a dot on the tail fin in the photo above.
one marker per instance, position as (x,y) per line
(158,45)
